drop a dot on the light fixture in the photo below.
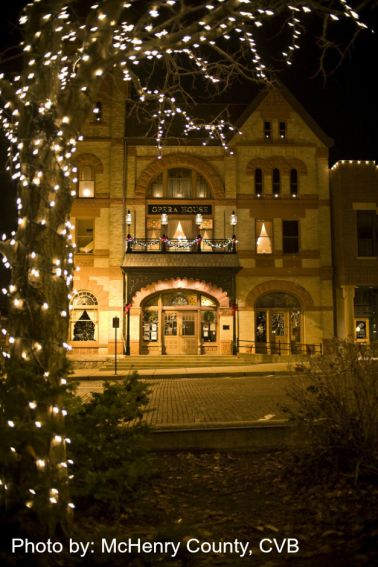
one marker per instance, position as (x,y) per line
(129,218)
(233,219)
(199,219)
(164,219)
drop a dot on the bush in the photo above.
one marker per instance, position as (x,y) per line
(108,446)
(336,403)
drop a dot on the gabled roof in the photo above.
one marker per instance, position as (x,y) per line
(293,102)
(139,131)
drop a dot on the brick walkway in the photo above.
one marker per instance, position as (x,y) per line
(211,401)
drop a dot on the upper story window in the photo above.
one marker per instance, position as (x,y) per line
(290,236)
(84,236)
(293,182)
(264,237)
(282,130)
(258,182)
(367,233)
(86,181)
(276,182)
(267,130)
(179,183)
(97,112)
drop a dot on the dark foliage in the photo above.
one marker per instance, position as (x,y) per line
(336,409)
(109,446)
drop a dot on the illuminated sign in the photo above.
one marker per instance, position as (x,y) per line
(179,209)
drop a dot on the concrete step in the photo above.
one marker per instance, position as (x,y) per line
(145,362)
(173,362)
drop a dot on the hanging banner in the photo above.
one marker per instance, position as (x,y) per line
(179,209)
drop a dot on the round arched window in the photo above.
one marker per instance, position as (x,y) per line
(84,317)
(179,183)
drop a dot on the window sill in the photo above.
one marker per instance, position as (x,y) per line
(367,257)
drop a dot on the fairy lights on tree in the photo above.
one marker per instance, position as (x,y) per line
(158,48)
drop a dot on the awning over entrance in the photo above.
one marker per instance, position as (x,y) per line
(143,269)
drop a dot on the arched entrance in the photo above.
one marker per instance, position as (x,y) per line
(177,322)
(278,324)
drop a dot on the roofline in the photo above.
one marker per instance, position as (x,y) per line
(290,98)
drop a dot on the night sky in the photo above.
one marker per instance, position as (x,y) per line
(345,106)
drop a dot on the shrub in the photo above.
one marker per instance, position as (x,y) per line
(108,446)
(336,403)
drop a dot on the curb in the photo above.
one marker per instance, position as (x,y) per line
(246,438)
(156,375)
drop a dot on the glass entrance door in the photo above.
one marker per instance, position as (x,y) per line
(180,332)
(278,331)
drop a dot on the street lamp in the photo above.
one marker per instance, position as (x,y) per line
(129,238)
(233,219)
(198,221)
(233,223)
(164,224)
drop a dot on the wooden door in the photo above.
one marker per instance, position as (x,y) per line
(188,332)
(180,332)
(170,330)
(279,332)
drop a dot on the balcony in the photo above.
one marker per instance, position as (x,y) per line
(165,245)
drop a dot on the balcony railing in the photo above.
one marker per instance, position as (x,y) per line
(178,245)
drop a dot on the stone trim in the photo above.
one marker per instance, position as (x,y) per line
(292,288)
(89,159)
(87,283)
(182,283)
(283,164)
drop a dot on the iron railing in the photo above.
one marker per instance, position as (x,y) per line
(185,245)
(278,347)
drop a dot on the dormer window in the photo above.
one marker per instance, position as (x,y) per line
(267,130)
(282,130)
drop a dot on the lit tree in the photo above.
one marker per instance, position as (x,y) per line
(158,48)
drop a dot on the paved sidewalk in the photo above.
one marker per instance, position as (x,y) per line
(206,371)
(214,401)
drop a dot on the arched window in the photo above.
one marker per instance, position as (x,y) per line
(276,182)
(293,182)
(258,182)
(278,322)
(84,317)
(86,181)
(179,183)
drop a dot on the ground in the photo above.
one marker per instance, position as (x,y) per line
(225,496)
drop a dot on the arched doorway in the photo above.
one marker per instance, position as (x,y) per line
(278,324)
(176,322)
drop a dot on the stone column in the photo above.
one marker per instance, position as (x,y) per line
(348,330)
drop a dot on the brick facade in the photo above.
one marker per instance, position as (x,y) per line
(124,170)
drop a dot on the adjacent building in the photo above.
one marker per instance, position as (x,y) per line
(205,252)
(354,190)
